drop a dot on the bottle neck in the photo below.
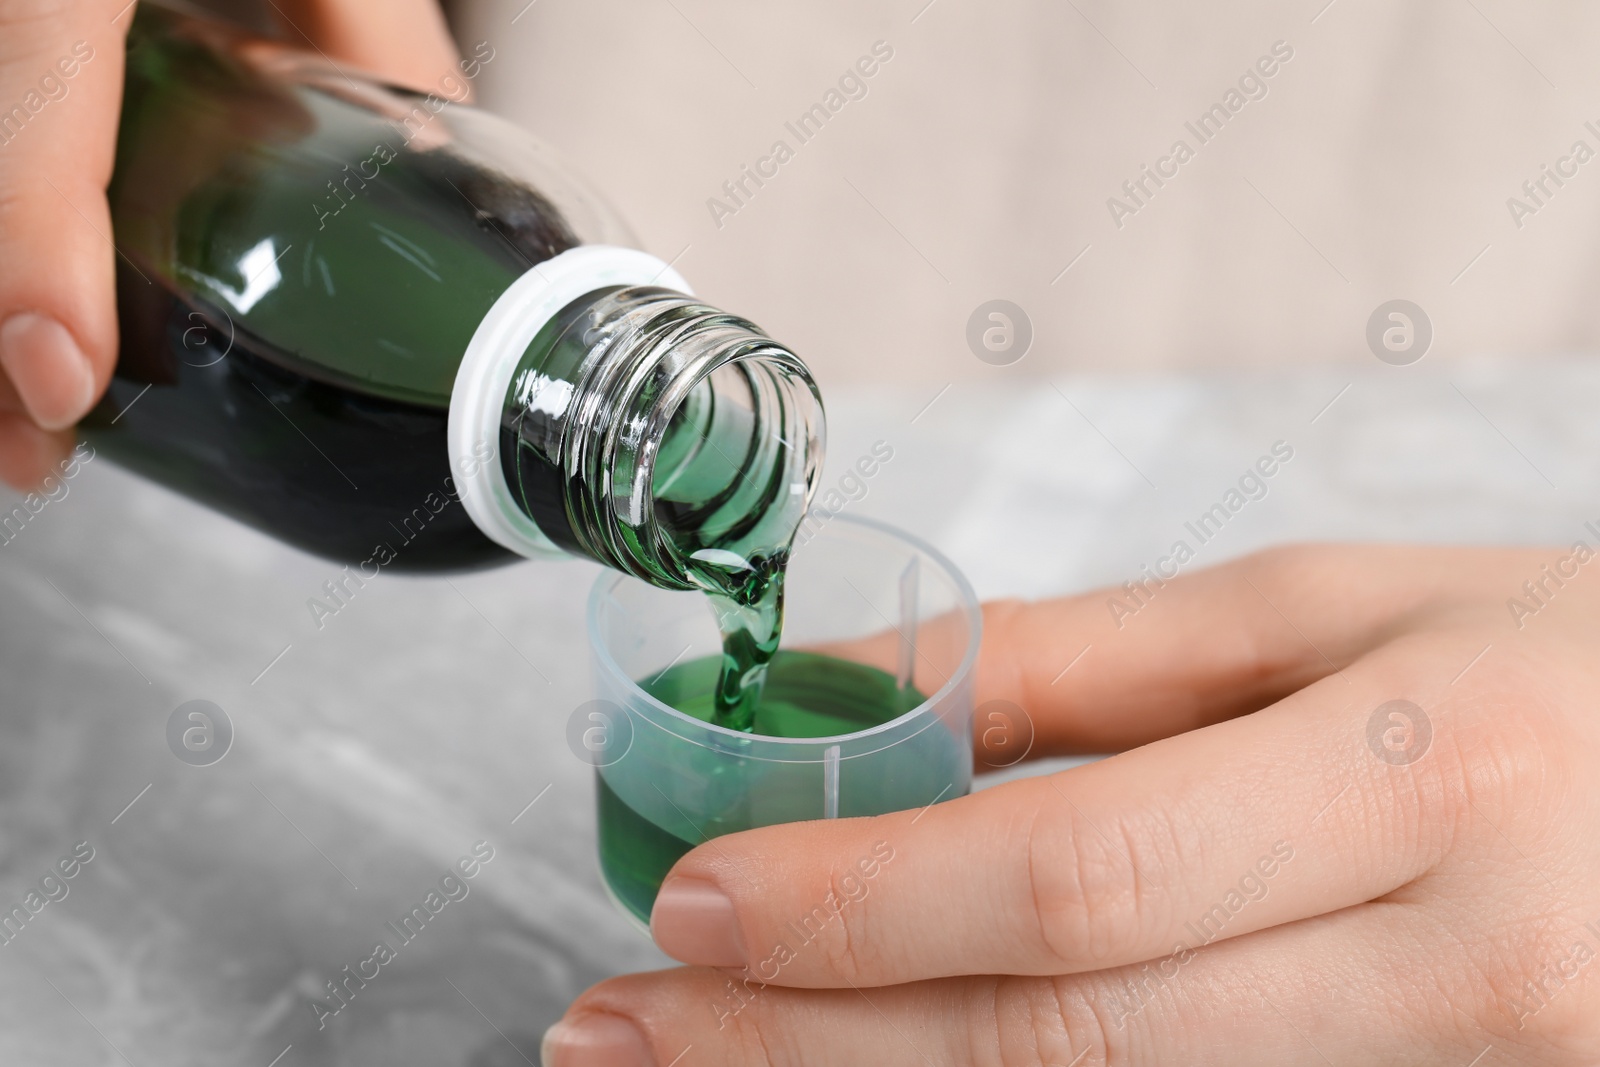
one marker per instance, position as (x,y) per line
(663,438)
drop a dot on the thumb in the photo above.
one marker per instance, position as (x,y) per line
(60,86)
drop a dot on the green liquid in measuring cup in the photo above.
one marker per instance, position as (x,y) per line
(805,695)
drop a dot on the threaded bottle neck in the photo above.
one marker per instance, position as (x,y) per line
(664,438)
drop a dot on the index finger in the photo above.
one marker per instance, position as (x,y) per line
(404,41)
(1234,828)
(1116,668)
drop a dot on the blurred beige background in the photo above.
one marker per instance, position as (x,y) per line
(980,162)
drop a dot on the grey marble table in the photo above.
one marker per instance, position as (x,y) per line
(428,714)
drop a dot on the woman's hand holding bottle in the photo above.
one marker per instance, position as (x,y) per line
(61,67)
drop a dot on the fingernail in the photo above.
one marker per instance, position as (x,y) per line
(49,370)
(693,921)
(595,1041)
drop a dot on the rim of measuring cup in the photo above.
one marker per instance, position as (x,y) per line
(969,607)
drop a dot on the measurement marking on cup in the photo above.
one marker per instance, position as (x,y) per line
(890,623)
(908,623)
(830,782)
(131,803)
(531,803)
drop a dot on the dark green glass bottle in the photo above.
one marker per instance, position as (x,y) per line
(376,322)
